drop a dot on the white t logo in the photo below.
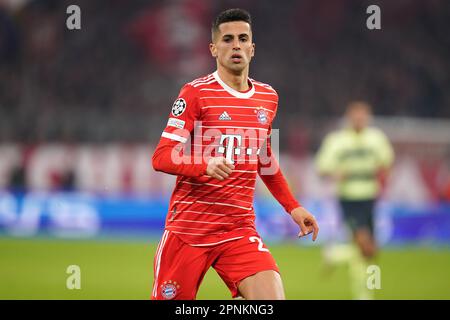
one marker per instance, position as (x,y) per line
(230,146)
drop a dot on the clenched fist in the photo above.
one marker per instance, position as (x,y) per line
(219,168)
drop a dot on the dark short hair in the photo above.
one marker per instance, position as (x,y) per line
(231,15)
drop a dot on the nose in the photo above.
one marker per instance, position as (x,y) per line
(236,44)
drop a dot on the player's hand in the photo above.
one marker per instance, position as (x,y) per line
(219,168)
(306,221)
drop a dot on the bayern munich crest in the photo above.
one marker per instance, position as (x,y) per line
(169,289)
(178,107)
(262,116)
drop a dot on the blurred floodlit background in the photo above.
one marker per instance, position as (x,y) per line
(81,110)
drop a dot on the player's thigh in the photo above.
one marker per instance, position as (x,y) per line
(246,258)
(359,215)
(365,241)
(178,269)
(264,285)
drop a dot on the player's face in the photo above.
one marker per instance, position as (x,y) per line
(359,118)
(232,46)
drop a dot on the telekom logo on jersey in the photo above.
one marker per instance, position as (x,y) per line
(231,148)
(239,146)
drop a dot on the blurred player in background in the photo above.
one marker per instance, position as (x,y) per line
(358,158)
(210,222)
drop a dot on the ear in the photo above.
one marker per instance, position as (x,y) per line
(253,50)
(213,50)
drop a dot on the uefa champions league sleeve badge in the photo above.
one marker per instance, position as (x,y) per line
(178,107)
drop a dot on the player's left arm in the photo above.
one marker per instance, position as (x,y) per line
(386,157)
(385,151)
(270,173)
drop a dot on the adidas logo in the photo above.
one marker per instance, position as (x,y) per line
(224,116)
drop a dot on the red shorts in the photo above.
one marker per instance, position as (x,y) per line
(179,268)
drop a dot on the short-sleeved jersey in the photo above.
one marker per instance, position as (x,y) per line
(216,120)
(358,156)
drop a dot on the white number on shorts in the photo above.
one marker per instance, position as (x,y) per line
(260,245)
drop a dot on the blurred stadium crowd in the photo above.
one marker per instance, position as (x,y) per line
(116,78)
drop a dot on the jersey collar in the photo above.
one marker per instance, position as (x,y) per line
(237,94)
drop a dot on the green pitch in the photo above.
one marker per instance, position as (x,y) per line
(36,269)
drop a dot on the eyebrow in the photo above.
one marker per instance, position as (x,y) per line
(232,35)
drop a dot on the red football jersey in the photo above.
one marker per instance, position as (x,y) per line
(215,120)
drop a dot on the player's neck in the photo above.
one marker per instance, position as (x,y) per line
(238,82)
(357,130)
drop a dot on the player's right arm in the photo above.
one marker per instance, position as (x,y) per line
(169,156)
